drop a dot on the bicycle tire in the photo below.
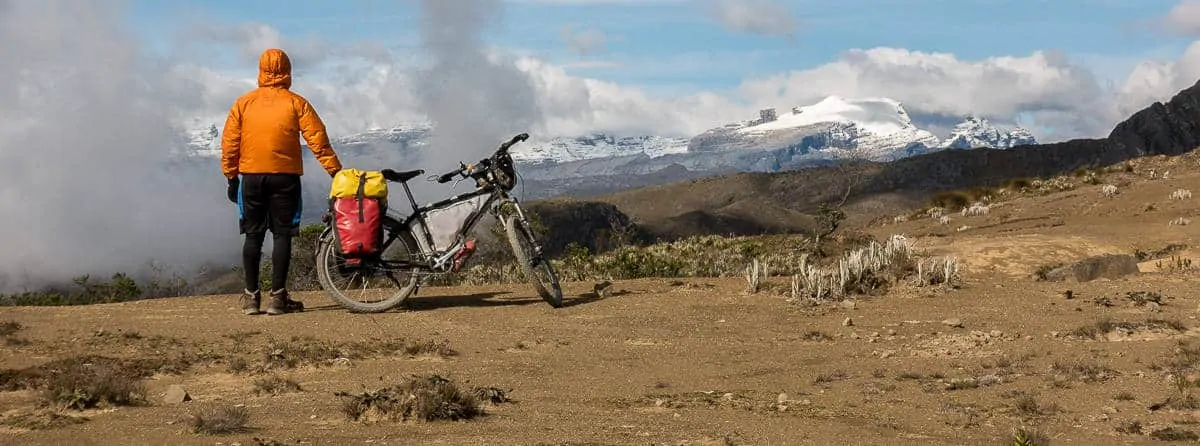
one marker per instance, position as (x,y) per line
(518,232)
(326,249)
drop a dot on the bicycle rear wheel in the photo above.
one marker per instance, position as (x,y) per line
(537,269)
(373,287)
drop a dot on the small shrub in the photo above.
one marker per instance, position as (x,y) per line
(89,382)
(1124,396)
(238,364)
(1017,184)
(220,420)
(871,269)
(815,335)
(825,378)
(1174,264)
(420,398)
(976,209)
(1029,406)
(429,348)
(1026,437)
(41,419)
(1130,427)
(492,395)
(86,291)
(1172,433)
(276,385)
(952,200)
(9,328)
(301,351)
(1109,190)
(754,275)
(1043,272)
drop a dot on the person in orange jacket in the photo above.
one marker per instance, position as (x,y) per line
(261,142)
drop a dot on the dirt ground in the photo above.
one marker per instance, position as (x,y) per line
(697,361)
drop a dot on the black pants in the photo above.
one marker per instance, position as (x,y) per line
(269,202)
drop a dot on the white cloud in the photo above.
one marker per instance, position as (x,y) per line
(1158,80)
(1062,97)
(586,41)
(1046,85)
(764,17)
(1184,18)
(88,186)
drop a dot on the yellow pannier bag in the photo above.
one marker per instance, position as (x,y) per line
(346,183)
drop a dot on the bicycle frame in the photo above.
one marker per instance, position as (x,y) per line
(416,224)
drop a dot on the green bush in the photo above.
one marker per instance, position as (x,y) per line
(120,288)
(951,200)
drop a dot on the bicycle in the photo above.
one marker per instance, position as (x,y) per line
(424,255)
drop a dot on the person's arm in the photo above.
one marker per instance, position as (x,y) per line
(313,130)
(231,142)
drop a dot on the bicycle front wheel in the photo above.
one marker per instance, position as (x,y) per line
(537,269)
(373,287)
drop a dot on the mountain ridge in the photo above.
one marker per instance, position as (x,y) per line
(878,128)
(723,203)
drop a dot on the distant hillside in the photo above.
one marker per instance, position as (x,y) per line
(749,203)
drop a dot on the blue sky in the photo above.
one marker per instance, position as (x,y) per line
(1062,68)
(674,45)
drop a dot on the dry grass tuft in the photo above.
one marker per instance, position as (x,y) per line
(40,420)
(1100,330)
(88,382)
(276,385)
(300,351)
(221,420)
(1029,407)
(1026,437)
(420,398)
(871,269)
(429,348)
(1172,433)
(9,328)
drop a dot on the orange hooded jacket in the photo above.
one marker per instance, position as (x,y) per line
(262,132)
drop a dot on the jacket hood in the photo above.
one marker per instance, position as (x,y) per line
(274,69)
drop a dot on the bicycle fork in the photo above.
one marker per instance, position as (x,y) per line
(535,257)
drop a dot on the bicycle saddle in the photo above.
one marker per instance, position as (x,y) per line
(401,177)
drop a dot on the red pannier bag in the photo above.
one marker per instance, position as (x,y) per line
(359,228)
(358,201)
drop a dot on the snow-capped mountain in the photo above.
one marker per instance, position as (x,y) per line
(877,129)
(596,145)
(874,128)
(978,132)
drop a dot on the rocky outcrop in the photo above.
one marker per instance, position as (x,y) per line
(594,225)
(1161,129)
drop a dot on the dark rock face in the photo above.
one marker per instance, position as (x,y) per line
(1160,129)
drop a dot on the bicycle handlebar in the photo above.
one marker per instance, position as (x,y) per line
(516,139)
(446,177)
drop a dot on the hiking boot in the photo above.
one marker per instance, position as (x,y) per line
(281,303)
(250,302)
